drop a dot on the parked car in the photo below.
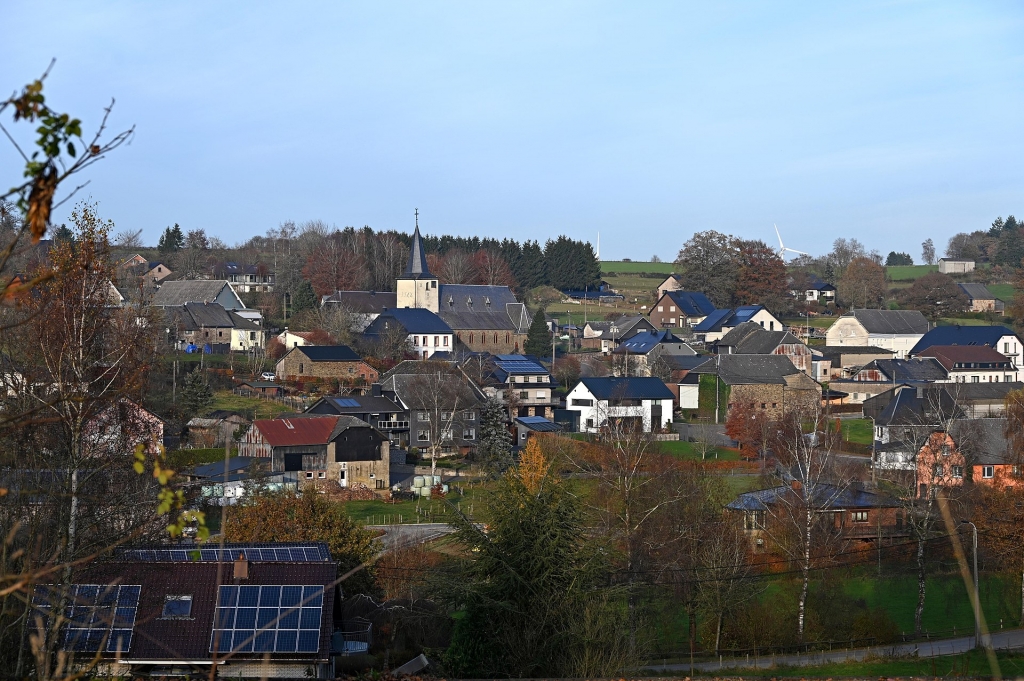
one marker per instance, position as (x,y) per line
(268,376)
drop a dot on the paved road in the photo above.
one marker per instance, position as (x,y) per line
(408,534)
(1001,640)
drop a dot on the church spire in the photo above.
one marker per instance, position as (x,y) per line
(417,267)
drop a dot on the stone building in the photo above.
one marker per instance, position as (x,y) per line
(325,362)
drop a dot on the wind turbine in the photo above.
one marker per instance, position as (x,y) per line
(782,246)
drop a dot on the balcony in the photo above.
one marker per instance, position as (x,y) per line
(393,425)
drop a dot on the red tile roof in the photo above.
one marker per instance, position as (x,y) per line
(289,432)
(949,355)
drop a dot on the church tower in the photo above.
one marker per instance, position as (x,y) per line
(417,287)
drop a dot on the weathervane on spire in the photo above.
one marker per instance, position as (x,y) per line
(417,218)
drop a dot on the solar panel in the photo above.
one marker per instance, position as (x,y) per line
(281,553)
(346,402)
(268,619)
(94,613)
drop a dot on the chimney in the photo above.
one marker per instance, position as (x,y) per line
(241,568)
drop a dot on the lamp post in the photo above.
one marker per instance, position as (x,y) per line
(977,601)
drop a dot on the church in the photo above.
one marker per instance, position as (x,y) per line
(483,318)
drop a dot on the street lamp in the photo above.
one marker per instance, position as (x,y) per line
(977,602)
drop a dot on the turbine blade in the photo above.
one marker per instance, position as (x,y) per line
(778,235)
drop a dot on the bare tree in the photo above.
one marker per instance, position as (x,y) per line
(456,268)
(444,399)
(128,239)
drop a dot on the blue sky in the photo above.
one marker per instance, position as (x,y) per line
(889,122)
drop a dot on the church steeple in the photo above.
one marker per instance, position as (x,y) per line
(417,287)
(417,267)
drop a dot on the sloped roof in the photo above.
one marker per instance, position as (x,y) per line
(363,302)
(951,355)
(539,424)
(750,338)
(824,496)
(627,388)
(899,322)
(691,303)
(720,319)
(961,335)
(713,322)
(417,266)
(749,369)
(645,341)
(927,369)
(476,307)
(179,292)
(292,432)
(976,291)
(983,441)
(519,364)
(412,319)
(359,404)
(328,353)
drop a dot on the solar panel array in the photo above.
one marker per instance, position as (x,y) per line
(346,402)
(94,613)
(268,619)
(522,366)
(311,553)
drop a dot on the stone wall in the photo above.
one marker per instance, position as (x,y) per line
(507,343)
(296,365)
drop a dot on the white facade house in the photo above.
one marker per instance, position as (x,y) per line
(950,266)
(645,402)
(897,331)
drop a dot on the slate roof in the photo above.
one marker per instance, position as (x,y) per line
(627,388)
(967,356)
(913,407)
(926,369)
(357,404)
(976,291)
(176,293)
(210,470)
(730,318)
(475,307)
(825,496)
(417,266)
(411,319)
(363,302)
(962,335)
(646,341)
(195,316)
(749,369)
(691,303)
(983,441)
(328,353)
(899,322)
(750,338)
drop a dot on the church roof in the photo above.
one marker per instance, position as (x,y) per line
(477,307)
(417,267)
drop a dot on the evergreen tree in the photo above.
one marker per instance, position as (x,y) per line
(171,240)
(495,445)
(196,395)
(538,339)
(533,268)
(64,234)
(304,298)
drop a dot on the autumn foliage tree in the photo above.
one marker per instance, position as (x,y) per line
(760,276)
(863,283)
(935,295)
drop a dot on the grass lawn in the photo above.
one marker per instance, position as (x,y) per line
(815,322)
(909,272)
(684,450)
(621,266)
(1003,292)
(973,664)
(379,512)
(251,407)
(858,431)
(950,321)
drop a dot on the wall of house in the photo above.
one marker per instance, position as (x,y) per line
(253,444)
(939,450)
(426,345)
(798,353)
(244,340)
(956,266)
(1004,375)
(295,365)
(901,344)
(365,459)
(596,414)
(494,342)
(775,400)
(1002,475)
(665,314)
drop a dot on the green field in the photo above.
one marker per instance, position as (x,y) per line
(858,431)
(684,450)
(964,321)
(909,272)
(251,407)
(1003,292)
(969,665)
(665,268)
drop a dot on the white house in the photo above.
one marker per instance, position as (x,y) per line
(644,401)
(721,322)
(951,266)
(424,330)
(295,339)
(895,330)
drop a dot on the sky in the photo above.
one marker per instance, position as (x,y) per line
(889,122)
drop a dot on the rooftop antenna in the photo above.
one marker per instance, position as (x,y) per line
(782,247)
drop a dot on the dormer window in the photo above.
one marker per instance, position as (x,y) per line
(469,301)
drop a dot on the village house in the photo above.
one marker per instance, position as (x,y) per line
(294,339)
(606,335)
(325,362)
(246,278)
(528,426)
(642,402)
(216,428)
(954,266)
(379,411)
(815,291)
(424,331)
(981,299)
(519,381)
(644,352)
(201,324)
(178,293)
(361,307)
(847,360)
(679,309)
(341,449)
(972,363)
(117,429)
(750,338)
(721,322)
(998,338)
(671,283)
(895,330)
(166,610)
(768,383)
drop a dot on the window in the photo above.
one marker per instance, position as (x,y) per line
(177,607)
(469,415)
(945,450)
(423,416)
(309,475)
(975,379)
(541,395)
(446,415)
(671,308)
(436,341)
(771,326)
(321,474)
(300,368)
(754,520)
(988,472)
(524,394)
(252,335)
(859,516)
(446,341)
(590,423)
(471,337)
(939,471)
(764,405)
(958,471)
(582,403)
(495,337)
(661,308)
(422,436)
(469,434)
(415,340)
(1006,348)
(508,338)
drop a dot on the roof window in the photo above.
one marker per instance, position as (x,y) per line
(177,607)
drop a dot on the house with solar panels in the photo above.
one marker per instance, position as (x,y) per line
(721,322)
(522,380)
(679,309)
(247,610)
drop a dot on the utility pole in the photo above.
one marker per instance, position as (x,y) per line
(977,601)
